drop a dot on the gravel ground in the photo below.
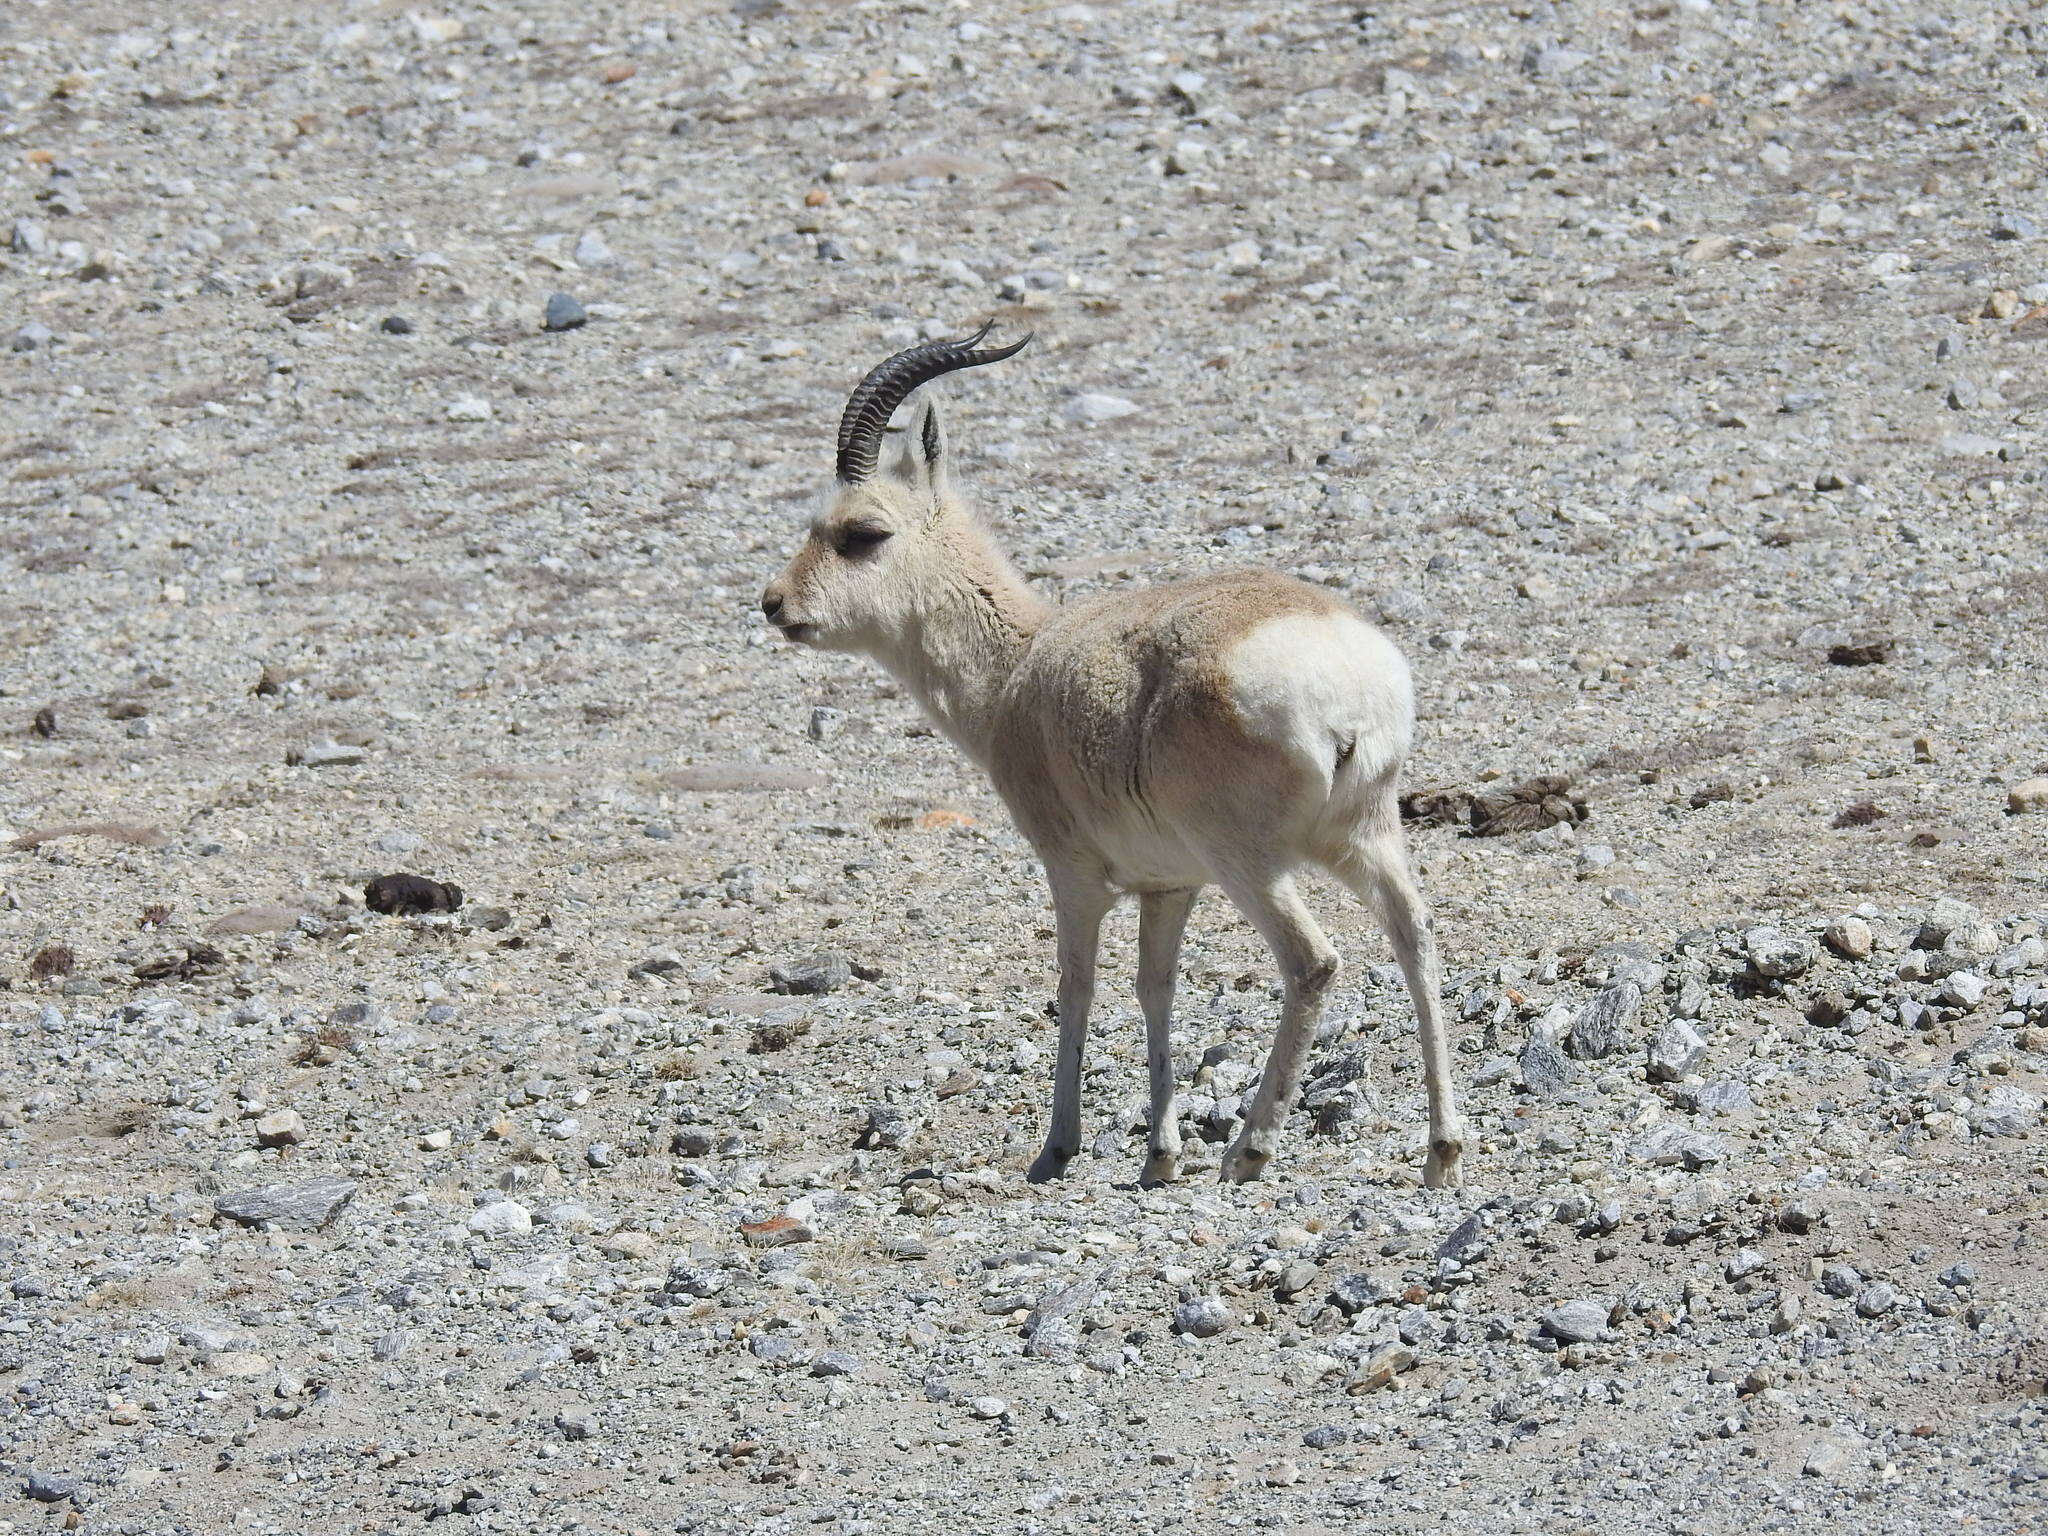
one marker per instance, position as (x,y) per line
(1668,380)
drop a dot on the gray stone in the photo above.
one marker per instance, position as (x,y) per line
(987,1407)
(51,1487)
(1466,1239)
(564,313)
(1296,1278)
(1679,1145)
(835,1362)
(1544,1070)
(1945,919)
(1602,1027)
(1053,1329)
(1404,605)
(1578,1322)
(1778,956)
(1676,1051)
(1800,1216)
(1600,1221)
(32,336)
(1551,62)
(811,975)
(1876,1299)
(1962,989)
(1352,1294)
(887,1127)
(591,251)
(1725,1096)
(1204,1316)
(776,1349)
(304,1206)
(825,724)
(1692,999)
(576,1421)
(1840,1280)
(2007,1110)
(688,1277)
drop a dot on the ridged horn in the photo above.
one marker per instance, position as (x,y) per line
(889,383)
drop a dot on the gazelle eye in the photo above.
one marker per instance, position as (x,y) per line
(862,537)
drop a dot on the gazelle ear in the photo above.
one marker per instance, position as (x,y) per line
(923,460)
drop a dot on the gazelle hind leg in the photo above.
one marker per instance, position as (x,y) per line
(1307,967)
(1375,866)
(1162,919)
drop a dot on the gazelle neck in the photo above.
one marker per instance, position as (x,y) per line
(958,648)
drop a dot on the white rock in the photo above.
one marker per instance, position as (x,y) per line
(1092,409)
(469,408)
(2005,1111)
(502,1218)
(435,29)
(1242,256)
(1850,937)
(281,1128)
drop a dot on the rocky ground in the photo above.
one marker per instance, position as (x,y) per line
(1667,378)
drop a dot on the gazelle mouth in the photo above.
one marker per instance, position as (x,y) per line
(800,633)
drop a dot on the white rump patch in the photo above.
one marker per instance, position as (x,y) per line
(1312,682)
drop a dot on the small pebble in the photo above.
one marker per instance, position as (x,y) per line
(1204,1317)
(1850,937)
(281,1128)
(564,313)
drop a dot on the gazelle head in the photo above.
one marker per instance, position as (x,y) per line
(880,544)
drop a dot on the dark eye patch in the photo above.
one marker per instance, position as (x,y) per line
(859,538)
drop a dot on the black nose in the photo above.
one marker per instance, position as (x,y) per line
(771,605)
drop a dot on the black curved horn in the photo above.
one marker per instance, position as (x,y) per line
(889,383)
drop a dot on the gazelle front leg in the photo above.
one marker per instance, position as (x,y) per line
(1078,906)
(1162,919)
